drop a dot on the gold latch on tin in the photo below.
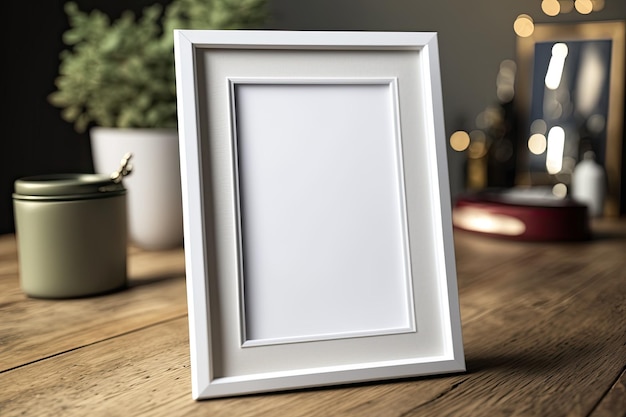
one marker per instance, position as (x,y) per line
(124,169)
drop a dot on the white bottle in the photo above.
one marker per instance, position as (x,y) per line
(589,184)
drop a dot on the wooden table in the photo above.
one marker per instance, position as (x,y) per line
(544,328)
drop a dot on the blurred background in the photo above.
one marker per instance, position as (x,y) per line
(478,58)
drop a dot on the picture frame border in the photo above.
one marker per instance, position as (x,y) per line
(211,361)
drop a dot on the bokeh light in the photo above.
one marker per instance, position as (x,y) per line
(597,5)
(583,6)
(556,145)
(537,143)
(505,81)
(524,26)
(551,7)
(478,144)
(539,126)
(556,65)
(559,190)
(596,123)
(459,140)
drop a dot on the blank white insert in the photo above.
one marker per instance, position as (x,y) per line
(323,223)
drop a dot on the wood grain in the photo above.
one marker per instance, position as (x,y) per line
(544,329)
(614,402)
(33,329)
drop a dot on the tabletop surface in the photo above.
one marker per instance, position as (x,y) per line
(544,330)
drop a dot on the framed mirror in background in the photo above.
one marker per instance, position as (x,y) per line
(570,101)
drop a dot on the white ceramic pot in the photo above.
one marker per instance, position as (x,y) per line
(155,219)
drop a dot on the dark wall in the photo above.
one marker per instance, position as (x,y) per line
(35,140)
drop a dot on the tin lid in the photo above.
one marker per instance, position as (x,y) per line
(67,186)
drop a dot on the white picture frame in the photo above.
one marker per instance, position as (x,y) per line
(317,217)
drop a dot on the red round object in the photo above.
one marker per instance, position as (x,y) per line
(533,219)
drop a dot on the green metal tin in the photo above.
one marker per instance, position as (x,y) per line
(71,233)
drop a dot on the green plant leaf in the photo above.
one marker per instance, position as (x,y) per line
(121,73)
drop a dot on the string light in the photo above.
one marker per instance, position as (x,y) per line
(524,25)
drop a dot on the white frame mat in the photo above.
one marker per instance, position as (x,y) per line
(318,233)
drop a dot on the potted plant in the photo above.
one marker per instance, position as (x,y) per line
(117,80)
